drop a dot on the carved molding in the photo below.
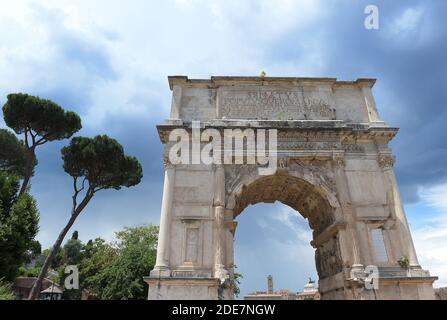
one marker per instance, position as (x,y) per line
(304,132)
(353,148)
(309,145)
(320,145)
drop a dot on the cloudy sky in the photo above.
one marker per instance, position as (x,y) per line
(108,61)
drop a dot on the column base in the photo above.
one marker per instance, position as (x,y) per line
(167,288)
(160,272)
(406,288)
(393,284)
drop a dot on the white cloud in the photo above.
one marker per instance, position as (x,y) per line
(437,197)
(412,28)
(266,18)
(277,244)
(431,237)
(141,43)
(408,21)
(290,218)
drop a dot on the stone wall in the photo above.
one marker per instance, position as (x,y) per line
(441,293)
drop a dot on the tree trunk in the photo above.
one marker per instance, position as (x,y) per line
(25,183)
(35,290)
(30,164)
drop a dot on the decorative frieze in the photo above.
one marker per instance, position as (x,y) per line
(353,148)
(309,145)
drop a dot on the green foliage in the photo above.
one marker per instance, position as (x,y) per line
(35,248)
(236,281)
(33,272)
(116,271)
(22,272)
(110,270)
(9,185)
(102,162)
(58,259)
(5,291)
(40,121)
(19,220)
(98,257)
(404,262)
(26,114)
(12,153)
(72,252)
(137,250)
(33,252)
(72,294)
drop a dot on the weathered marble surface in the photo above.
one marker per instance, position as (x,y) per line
(334,167)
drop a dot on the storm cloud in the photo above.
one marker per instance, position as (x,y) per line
(109,62)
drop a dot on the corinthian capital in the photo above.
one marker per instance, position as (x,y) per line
(386,161)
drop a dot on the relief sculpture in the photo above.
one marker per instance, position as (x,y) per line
(328,259)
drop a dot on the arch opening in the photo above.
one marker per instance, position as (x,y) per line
(300,195)
(272,239)
(309,201)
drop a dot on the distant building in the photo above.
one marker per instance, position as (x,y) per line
(50,290)
(22,286)
(270,284)
(279,295)
(53,292)
(310,292)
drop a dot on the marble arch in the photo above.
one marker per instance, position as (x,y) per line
(334,166)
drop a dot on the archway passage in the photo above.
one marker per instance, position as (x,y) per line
(296,193)
(273,239)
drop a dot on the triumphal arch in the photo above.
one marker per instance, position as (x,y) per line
(327,157)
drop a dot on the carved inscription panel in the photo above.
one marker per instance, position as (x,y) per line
(278,104)
(192,243)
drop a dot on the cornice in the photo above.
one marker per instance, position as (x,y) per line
(217,81)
